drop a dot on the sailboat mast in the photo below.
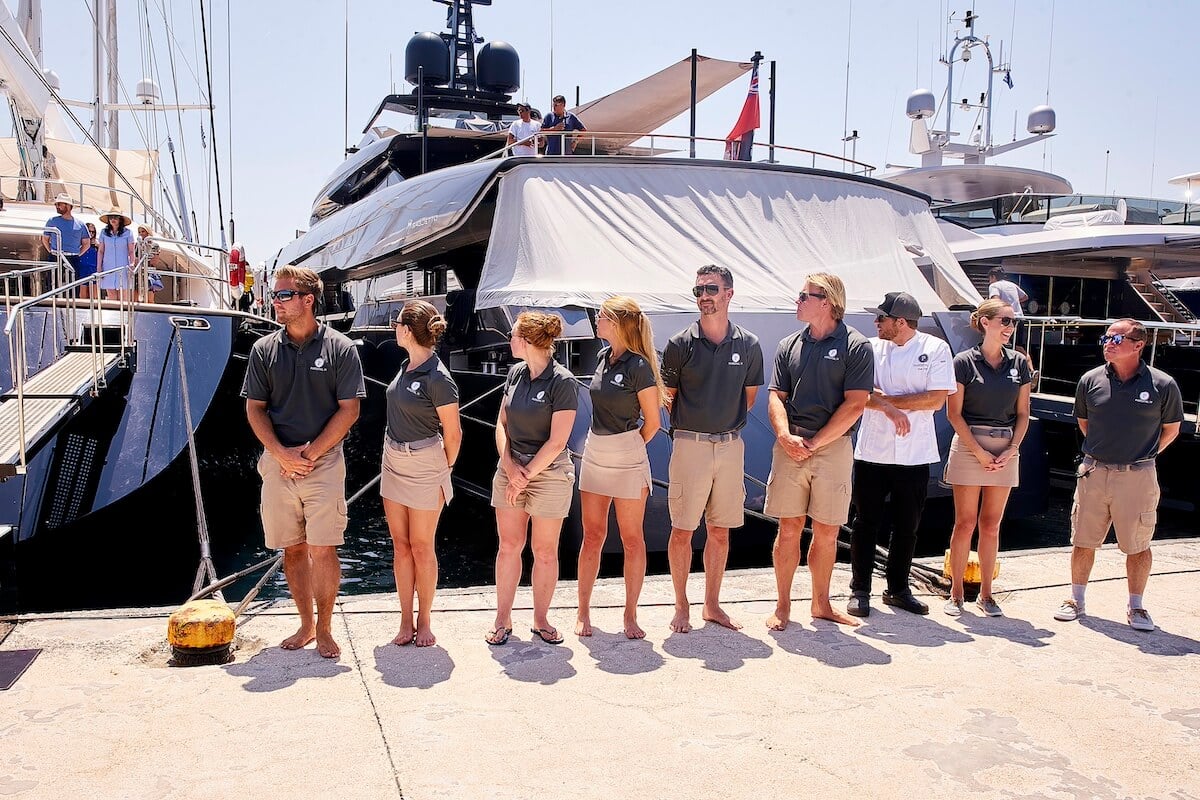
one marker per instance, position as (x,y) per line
(114,138)
(98,76)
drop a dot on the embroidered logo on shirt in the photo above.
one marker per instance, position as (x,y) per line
(923,357)
(414,387)
(540,397)
(832,354)
(1143,397)
(735,360)
(618,378)
(318,365)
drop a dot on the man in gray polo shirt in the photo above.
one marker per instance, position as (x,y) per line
(303,386)
(824,376)
(1129,412)
(712,370)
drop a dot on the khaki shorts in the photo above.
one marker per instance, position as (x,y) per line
(308,510)
(707,479)
(547,496)
(818,487)
(1127,501)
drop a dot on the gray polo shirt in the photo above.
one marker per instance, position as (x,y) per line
(990,395)
(614,391)
(302,383)
(1126,419)
(413,398)
(710,379)
(817,373)
(530,404)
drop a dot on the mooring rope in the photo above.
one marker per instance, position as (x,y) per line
(206,568)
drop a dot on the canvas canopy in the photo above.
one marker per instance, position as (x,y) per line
(72,165)
(567,234)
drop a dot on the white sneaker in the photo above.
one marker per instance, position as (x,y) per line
(953,607)
(1069,611)
(1139,619)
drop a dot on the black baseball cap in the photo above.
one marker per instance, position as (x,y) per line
(900,305)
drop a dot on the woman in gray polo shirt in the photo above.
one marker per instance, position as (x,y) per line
(627,393)
(990,414)
(535,477)
(422,442)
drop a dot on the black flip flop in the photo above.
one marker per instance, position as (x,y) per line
(503,633)
(541,633)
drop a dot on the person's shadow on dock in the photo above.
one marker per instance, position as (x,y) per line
(1155,643)
(915,630)
(534,662)
(829,643)
(275,668)
(720,649)
(412,667)
(1017,631)
(618,655)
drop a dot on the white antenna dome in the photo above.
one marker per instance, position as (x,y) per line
(52,79)
(921,104)
(147,92)
(1041,120)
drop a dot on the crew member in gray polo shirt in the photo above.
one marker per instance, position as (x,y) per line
(712,371)
(824,375)
(303,386)
(1129,413)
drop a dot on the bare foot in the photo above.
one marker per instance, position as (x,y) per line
(405,636)
(299,639)
(583,625)
(779,620)
(633,630)
(682,622)
(826,611)
(326,646)
(718,616)
(424,637)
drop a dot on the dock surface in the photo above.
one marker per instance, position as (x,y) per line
(1020,706)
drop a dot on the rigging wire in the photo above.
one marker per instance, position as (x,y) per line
(212,124)
(229,108)
(185,176)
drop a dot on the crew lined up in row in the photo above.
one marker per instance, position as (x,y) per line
(304,383)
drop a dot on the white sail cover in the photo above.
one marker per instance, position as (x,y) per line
(578,234)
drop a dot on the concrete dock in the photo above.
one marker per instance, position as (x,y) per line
(1021,706)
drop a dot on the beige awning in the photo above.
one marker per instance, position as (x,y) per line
(75,164)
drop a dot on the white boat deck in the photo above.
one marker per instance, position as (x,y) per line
(904,706)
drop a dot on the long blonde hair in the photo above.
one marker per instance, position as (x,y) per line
(634,333)
(988,309)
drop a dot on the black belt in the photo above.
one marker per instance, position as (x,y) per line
(796,430)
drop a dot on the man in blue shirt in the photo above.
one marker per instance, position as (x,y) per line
(563,121)
(72,239)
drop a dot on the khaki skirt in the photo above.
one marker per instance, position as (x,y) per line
(418,479)
(964,469)
(615,465)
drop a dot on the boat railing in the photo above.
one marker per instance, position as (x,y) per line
(602,143)
(1028,208)
(219,266)
(1040,333)
(133,202)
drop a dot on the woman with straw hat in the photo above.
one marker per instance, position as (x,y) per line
(115,252)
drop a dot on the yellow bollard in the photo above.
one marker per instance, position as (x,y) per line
(973,574)
(201,632)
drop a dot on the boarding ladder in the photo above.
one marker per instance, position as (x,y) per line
(93,347)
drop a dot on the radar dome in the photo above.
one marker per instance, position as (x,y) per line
(1041,120)
(430,51)
(921,104)
(498,68)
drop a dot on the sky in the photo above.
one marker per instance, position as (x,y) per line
(1118,74)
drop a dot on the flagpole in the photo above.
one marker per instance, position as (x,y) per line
(692,135)
(771,123)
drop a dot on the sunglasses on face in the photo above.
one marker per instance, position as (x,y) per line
(1117,338)
(283,295)
(707,288)
(1006,322)
(803,296)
